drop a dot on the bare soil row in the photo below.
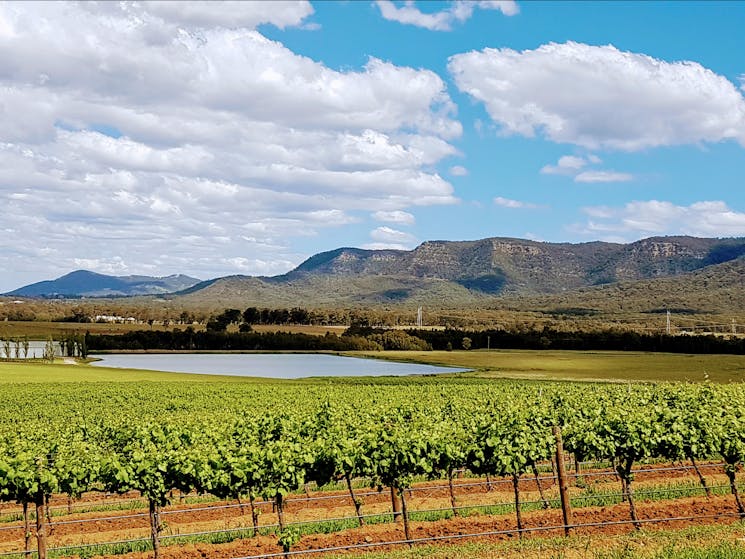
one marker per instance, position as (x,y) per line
(183,518)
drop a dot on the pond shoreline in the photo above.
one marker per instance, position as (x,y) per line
(215,351)
(272,365)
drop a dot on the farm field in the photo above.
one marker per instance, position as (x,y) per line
(484,507)
(59,372)
(311,455)
(586,366)
(591,366)
(40,330)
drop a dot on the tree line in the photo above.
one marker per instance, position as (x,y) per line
(191,340)
(610,339)
(364,338)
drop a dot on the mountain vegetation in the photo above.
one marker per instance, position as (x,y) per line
(82,283)
(481,273)
(468,284)
(709,290)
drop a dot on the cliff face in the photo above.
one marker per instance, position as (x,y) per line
(445,273)
(662,257)
(527,266)
(462,272)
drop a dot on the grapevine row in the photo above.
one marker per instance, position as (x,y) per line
(268,441)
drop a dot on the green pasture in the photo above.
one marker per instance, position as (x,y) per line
(18,372)
(40,330)
(588,366)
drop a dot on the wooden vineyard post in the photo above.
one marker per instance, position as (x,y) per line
(566,507)
(26,531)
(396,504)
(41,527)
(154,511)
(405,515)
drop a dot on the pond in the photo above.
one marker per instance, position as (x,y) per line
(268,365)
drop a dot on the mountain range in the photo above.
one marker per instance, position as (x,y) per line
(82,283)
(455,273)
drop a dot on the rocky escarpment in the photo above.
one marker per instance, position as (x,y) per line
(467,271)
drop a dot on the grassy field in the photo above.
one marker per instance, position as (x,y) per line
(41,330)
(709,542)
(14,373)
(607,366)
(587,366)
(296,329)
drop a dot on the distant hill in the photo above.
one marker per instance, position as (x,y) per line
(83,283)
(685,272)
(455,273)
(718,288)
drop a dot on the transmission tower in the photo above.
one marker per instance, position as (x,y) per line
(419,317)
(667,325)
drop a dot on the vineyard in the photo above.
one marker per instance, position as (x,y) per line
(104,468)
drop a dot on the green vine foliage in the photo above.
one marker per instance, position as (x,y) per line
(259,439)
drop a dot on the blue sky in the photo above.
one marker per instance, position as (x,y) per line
(240,138)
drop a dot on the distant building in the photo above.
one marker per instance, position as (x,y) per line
(114,319)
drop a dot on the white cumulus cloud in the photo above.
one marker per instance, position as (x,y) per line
(389,238)
(567,165)
(443,20)
(574,166)
(153,132)
(654,217)
(232,13)
(514,204)
(603,176)
(395,216)
(601,97)
(258,266)
(113,266)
